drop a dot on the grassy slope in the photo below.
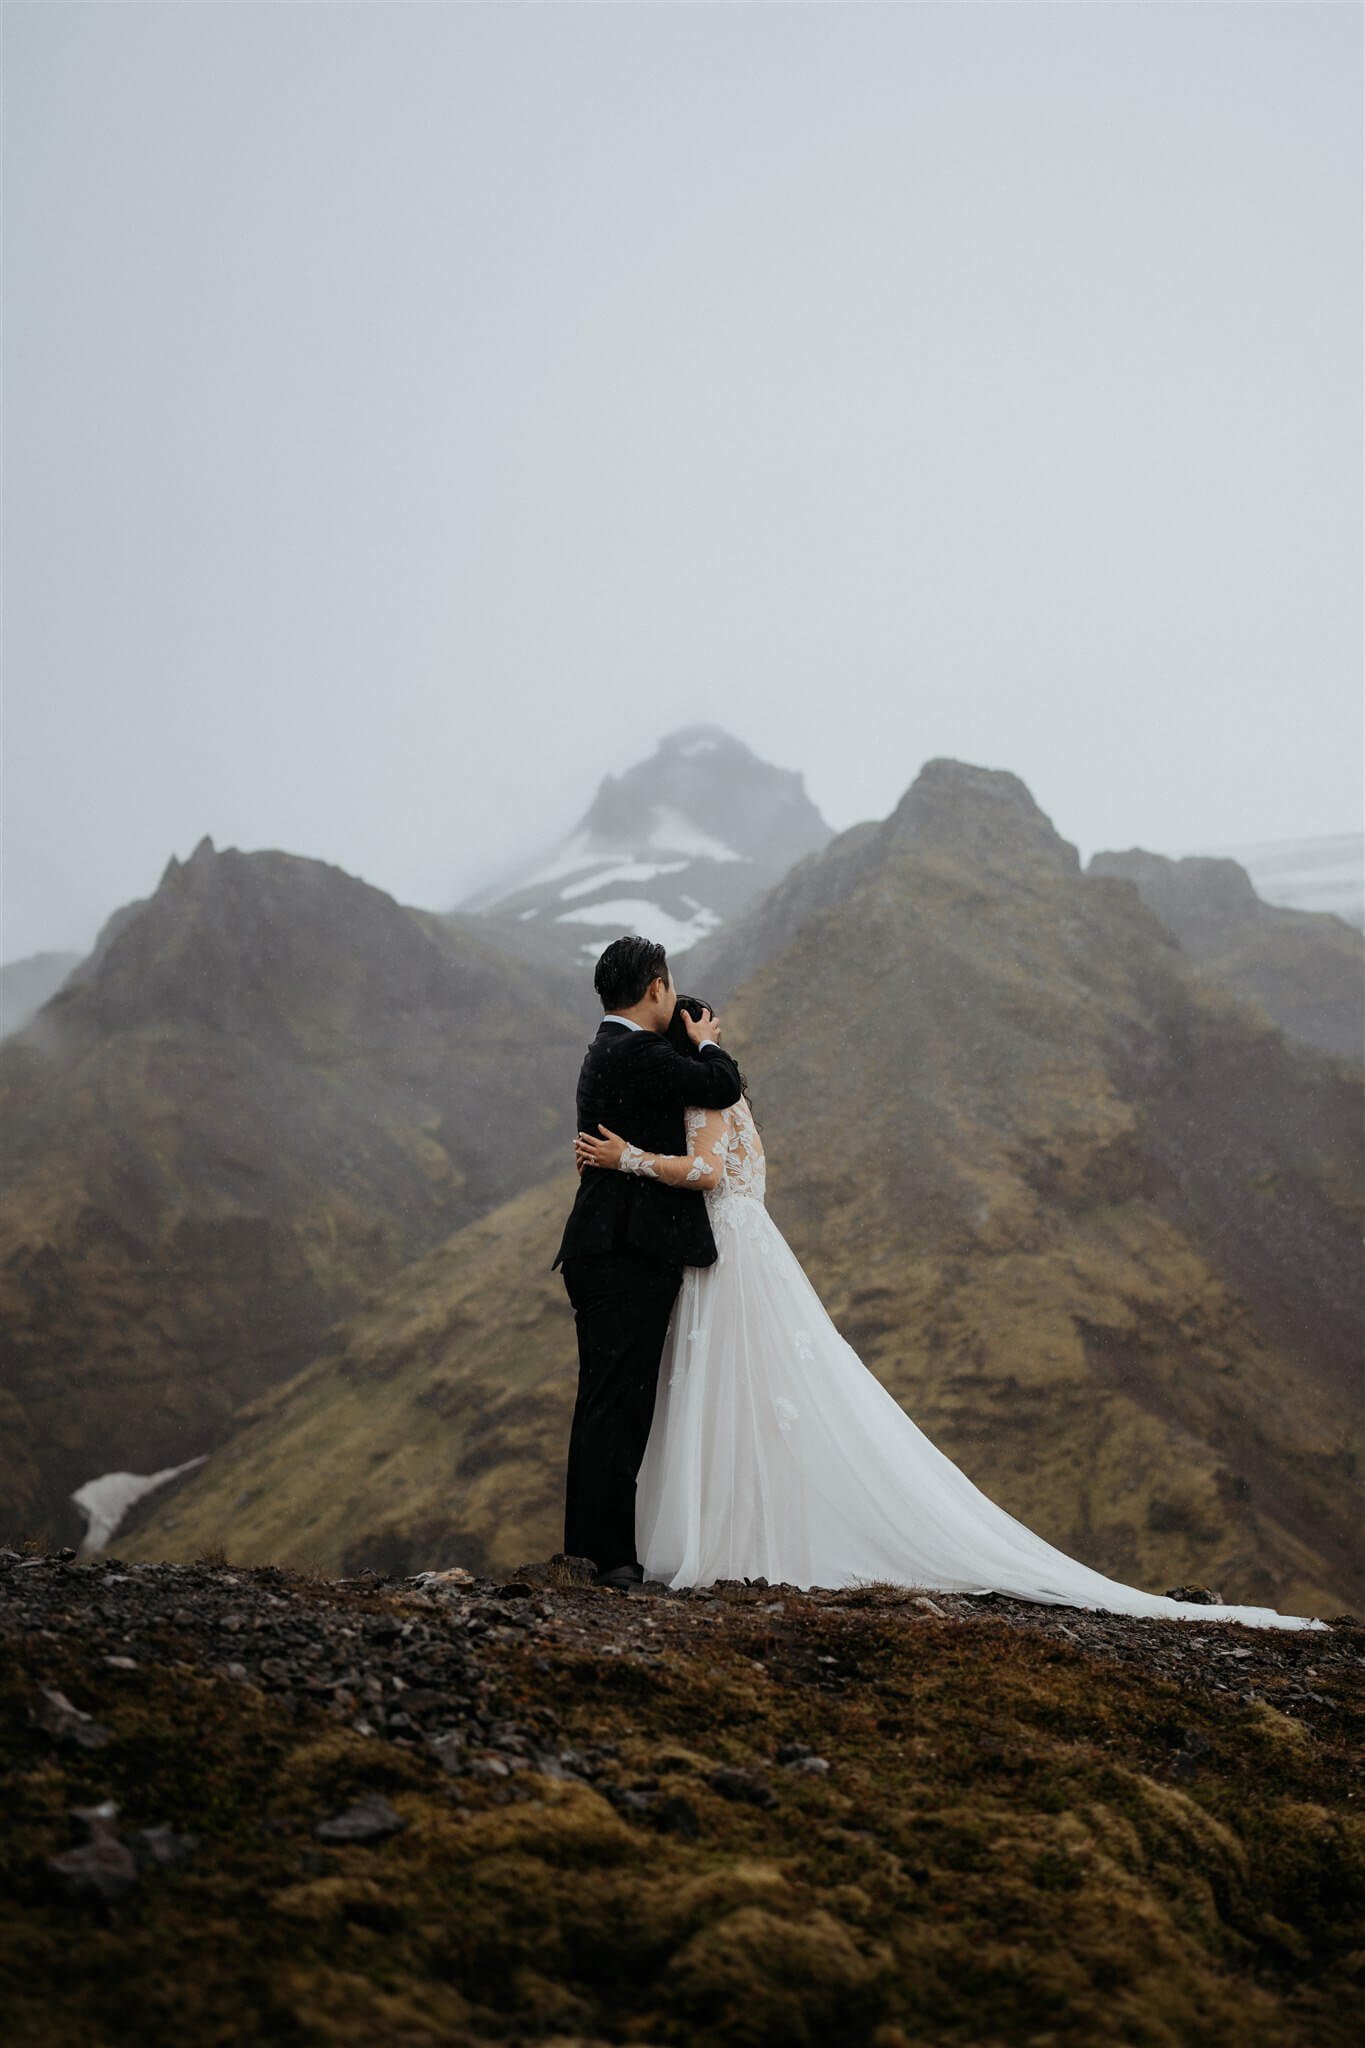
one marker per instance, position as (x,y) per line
(433,1424)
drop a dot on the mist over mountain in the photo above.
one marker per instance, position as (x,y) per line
(1306,967)
(675,848)
(1095,1221)
(26,984)
(1320,874)
(268,1087)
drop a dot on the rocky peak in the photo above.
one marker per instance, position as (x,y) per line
(983,815)
(702,782)
(984,819)
(200,861)
(241,941)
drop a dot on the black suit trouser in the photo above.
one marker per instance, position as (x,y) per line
(622,1302)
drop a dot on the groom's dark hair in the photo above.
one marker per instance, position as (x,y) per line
(625,971)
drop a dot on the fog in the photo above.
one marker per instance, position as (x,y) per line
(411,413)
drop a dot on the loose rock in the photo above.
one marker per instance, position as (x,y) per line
(366,1821)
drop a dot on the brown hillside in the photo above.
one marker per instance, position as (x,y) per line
(268,1089)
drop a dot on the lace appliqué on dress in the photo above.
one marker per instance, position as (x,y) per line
(633,1160)
(736,1149)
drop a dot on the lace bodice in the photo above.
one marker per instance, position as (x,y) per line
(724,1155)
(727,1141)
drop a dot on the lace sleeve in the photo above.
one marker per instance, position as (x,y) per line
(707,1137)
(701,1166)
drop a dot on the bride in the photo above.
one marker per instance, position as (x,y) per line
(774,1452)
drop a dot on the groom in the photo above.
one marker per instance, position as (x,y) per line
(627,1240)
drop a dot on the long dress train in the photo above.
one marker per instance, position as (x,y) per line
(775,1452)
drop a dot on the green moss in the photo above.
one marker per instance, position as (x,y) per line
(998,1851)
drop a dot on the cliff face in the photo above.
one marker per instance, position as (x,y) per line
(267,1089)
(1093,1221)
(1305,968)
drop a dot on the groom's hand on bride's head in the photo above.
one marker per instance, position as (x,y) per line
(699,1028)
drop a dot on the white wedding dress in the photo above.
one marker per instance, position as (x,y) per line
(774,1452)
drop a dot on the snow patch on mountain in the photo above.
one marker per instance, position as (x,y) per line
(629,871)
(569,859)
(633,914)
(671,832)
(105,1501)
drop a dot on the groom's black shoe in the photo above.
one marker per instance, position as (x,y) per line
(622,1576)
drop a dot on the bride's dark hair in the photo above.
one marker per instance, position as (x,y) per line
(677,1036)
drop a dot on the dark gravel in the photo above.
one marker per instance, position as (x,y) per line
(421,1662)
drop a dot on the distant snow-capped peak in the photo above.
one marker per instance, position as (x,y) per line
(672,849)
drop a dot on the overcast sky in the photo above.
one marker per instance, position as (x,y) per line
(412,412)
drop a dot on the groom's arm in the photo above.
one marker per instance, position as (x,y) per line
(710,1080)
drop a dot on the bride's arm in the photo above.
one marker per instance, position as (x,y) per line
(701,1166)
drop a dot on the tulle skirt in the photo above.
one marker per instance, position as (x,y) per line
(774,1452)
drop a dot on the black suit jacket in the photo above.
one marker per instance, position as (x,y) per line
(636,1084)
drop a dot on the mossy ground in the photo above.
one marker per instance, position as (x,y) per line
(1000,1852)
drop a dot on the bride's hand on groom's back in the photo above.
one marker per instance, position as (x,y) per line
(603,1151)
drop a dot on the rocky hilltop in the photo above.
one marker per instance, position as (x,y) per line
(982,817)
(1306,968)
(268,1088)
(1093,1221)
(451,1810)
(675,848)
